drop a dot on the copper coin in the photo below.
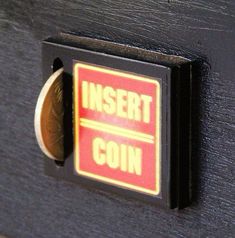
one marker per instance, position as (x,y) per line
(48,119)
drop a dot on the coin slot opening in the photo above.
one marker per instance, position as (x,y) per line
(59,163)
(67,118)
(68,115)
(57,64)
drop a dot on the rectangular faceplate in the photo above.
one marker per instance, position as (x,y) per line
(127,126)
(117,126)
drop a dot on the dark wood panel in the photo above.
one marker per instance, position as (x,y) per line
(34,205)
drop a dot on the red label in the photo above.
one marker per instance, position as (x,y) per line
(117,128)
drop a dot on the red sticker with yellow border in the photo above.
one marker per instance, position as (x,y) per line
(117,128)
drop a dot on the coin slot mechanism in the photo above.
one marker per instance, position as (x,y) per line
(174,75)
(53,114)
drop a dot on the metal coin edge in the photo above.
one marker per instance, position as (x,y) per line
(38,110)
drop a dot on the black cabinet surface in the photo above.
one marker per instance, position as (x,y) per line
(35,205)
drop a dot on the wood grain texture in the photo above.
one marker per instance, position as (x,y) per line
(34,205)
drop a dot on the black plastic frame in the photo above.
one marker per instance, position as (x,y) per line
(175,80)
